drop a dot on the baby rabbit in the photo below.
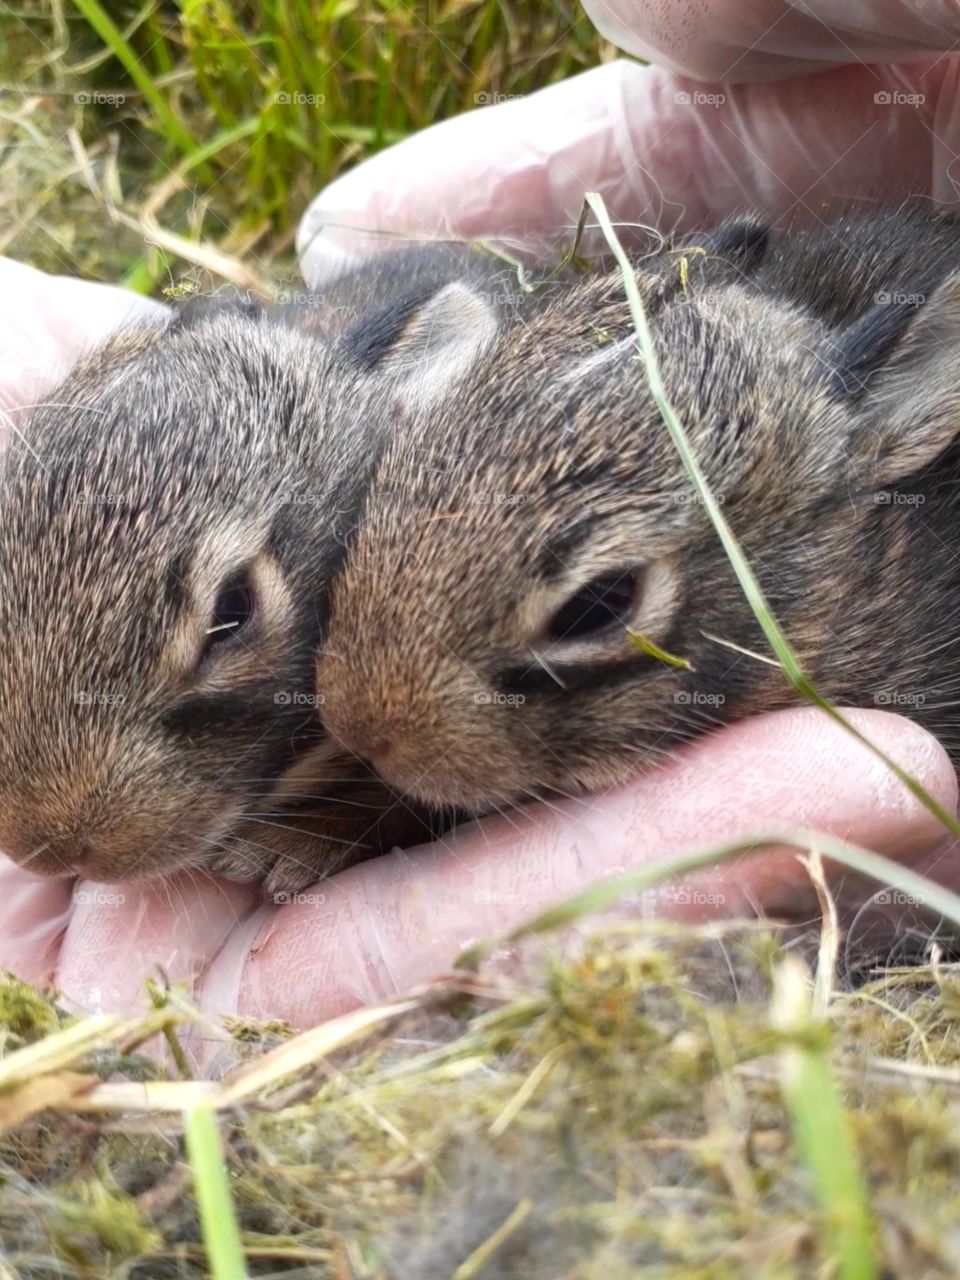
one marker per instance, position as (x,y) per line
(172,517)
(519,535)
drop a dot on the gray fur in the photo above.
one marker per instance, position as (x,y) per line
(825,421)
(221,430)
(230,437)
(417,536)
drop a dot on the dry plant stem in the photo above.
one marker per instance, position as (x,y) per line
(829,934)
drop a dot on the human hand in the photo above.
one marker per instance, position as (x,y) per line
(398,920)
(877,123)
(389,923)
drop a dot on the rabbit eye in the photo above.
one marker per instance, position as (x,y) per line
(233,610)
(608,601)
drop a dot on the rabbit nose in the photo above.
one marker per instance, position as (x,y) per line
(370,742)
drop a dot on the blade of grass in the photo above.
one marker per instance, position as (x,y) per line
(64,1049)
(141,277)
(225,138)
(218,1221)
(751,587)
(821,1126)
(478,1260)
(103,25)
(600,896)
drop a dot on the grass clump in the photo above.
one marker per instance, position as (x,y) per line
(25,1016)
(626,1113)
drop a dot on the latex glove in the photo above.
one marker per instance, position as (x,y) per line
(667,150)
(390,923)
(46,323)
(395,921)
(398,920)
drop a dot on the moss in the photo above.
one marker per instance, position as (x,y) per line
(25,1015)
(621,1114)
(90,1221)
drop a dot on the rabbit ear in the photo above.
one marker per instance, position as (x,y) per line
(195,310)
(741,242)
(897,367)
(423,346)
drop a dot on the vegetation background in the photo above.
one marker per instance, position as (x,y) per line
(136,138)
(668,1104)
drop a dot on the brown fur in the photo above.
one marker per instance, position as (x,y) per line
(805,395)
(412,479)
(228,440)
(166,460)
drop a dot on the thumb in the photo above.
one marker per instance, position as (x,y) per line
(662,150)
(390,923)
(738,40)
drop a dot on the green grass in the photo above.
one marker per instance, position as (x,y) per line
(224,118)
(215,1208)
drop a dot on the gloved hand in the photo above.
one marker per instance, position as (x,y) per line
(513,169)
(400,919)
(793,110)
